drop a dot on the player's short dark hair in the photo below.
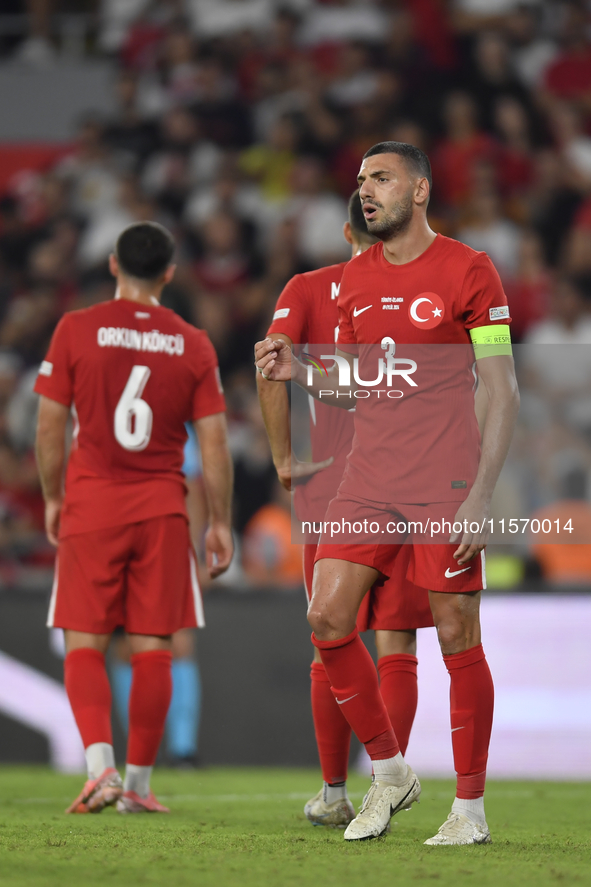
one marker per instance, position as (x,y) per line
(415,159)
(144,250)
(356,217)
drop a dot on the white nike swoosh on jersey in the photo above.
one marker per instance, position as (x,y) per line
(453,729)
(357,311)
(448,575)
(342,701)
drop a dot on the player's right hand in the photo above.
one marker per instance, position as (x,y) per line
(273,359)
(219,548)
(53,510)
(300,472)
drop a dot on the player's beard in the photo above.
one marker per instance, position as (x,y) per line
(393,223)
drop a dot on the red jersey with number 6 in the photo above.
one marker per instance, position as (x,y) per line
(133,375)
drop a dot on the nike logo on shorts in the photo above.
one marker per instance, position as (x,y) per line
(448,574)
(342,701)
(357,311)
(453,729)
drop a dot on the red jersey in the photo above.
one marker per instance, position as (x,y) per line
(133,375)
(307,312)
(423,445)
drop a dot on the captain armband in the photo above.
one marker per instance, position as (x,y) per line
(490,341)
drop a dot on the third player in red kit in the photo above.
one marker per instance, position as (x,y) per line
(131,373)
(445,293)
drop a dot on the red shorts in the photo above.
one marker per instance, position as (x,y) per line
(430,566)
(140,576)
(392,604)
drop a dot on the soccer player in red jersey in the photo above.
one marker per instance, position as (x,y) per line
(130,373)
(447,293)
(306,314)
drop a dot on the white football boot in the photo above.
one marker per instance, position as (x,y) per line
(458,829)
(336,815)
(383,800)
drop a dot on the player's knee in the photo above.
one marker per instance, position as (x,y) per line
(324,625)
(456,635)
(317,621)
(451,636)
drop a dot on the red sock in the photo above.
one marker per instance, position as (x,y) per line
(472,702)
(89,692)
(355,686)
(151,690)
(333,732)
(398,686)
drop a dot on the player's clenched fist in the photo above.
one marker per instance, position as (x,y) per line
(273,360)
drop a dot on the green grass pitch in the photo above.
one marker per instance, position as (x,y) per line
(246,827)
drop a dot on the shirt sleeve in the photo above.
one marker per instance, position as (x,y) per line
(208,397)
(56,375)
(291,312)
(483,299)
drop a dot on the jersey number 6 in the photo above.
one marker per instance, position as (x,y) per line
(133,416)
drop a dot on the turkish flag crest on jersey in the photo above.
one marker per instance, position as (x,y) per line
(426,311)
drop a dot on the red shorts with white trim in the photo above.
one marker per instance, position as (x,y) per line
(141,576)
(392,604)
(430,566)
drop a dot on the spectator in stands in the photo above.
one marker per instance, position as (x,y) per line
(553,203)
(128,132)
(355,81)
(224,117)
(17,239)
(489,230)
(271,163)
(269,557)
(183,161)
(569,75)
(494,77)
(225,272)
(90,171)
(558,358)
(464,145)
(532,48)
(318,214)
(529,288)
(229,193)
(573,143)
(515,169)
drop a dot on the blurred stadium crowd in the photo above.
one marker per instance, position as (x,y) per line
(240,125)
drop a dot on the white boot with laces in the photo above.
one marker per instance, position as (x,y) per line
(383,800)
(458,830)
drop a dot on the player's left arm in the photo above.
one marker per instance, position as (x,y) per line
(498,377)
(218,478)
(486,316)
(50,449)
(275,410)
